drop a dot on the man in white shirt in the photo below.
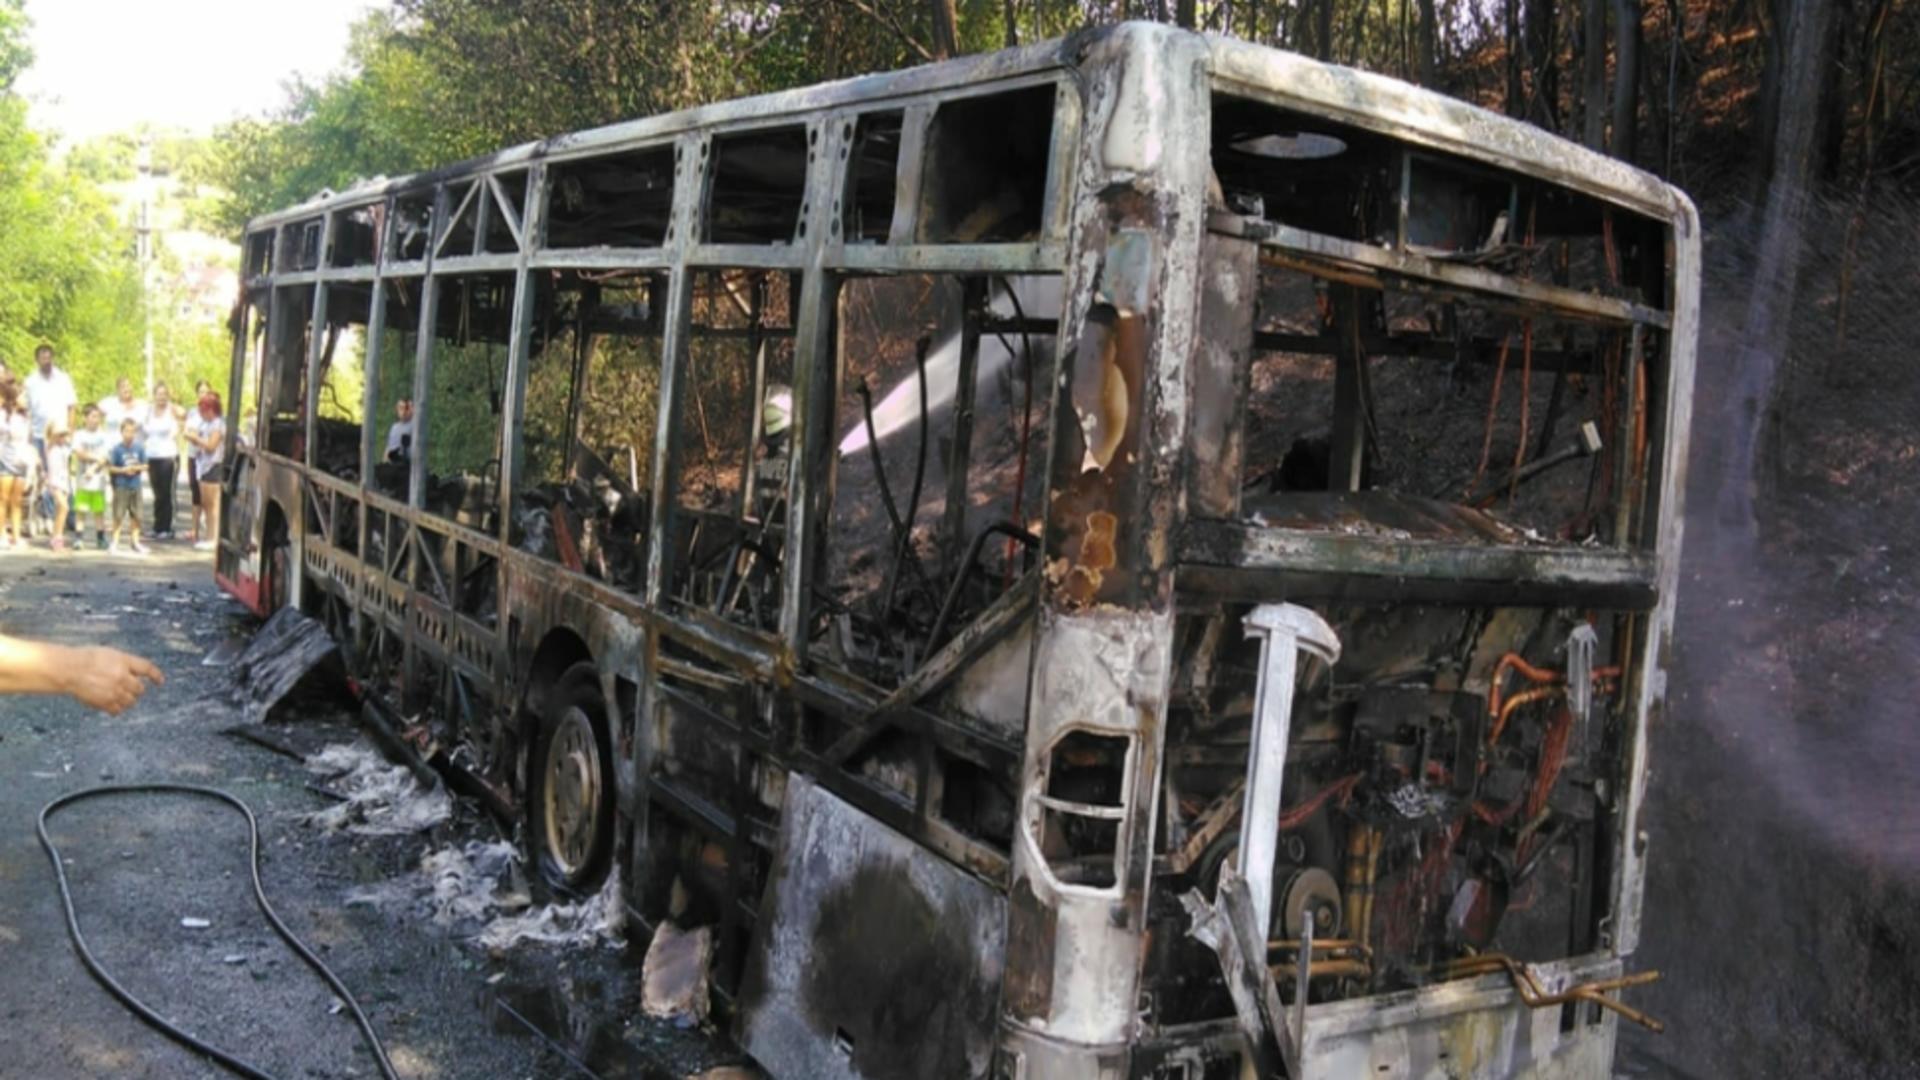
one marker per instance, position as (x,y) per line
(50,400)
(50,396)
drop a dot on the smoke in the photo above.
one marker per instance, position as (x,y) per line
(1796,614)
(899,409)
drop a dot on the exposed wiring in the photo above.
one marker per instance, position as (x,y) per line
(145,1012)
(1342,789)
(904,550)
(1026,426)
(1493,406)
(1553,755)
(1526,398)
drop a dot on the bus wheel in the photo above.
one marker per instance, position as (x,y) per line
(571,796)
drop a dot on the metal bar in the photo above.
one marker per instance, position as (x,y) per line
(604,258)
(476,264)
(316,336)
(1624,464)
(422,374)
(1041,258)
(748,256)
(482,215)
(513,409)
(1478,350)
(914,121)
(1057,206)
(370,395)
(1623,442)
(1346,257)
(1349,407)
(445,224)
(1285,630)
(973,299)
(1230,544)
(508,212)
(756,416)
(1302,982)
(811,458)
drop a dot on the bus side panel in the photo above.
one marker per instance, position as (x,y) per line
(1453,1033)
(236,566)
(873,959)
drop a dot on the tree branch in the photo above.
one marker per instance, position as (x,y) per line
(891,23)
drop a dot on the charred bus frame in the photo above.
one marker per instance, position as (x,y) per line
(971,807)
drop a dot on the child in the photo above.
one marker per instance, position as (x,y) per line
(91,445)
(16,462)
(59,479)
(127,461)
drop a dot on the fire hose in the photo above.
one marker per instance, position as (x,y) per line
(146,1012)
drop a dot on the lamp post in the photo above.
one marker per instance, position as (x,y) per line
(143,163)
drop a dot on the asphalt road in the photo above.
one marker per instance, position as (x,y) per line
(139,865)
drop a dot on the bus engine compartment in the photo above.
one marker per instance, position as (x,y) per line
(1442,797)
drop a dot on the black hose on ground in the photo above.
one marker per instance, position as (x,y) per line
(140,1008)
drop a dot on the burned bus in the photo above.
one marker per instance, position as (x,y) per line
(1136,556)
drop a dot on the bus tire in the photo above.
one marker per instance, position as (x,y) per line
(571,787)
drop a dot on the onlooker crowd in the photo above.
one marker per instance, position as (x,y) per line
(59,462)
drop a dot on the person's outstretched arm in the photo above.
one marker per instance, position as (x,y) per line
(96,676)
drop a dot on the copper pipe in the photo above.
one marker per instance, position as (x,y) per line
(1524,697)
(1363,866)
(1533,694)
(1289,952)
(1324,969)
(1319,944)
(1543,676)
(1530,992)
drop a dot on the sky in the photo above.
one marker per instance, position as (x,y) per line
(103,66)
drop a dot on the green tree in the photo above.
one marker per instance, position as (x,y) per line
(15,55)
(67,271)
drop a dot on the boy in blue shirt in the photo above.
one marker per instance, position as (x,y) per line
(127,464)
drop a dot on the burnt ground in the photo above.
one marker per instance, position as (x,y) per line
(1783,893)
(139,865)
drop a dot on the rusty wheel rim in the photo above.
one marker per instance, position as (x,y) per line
(572,792)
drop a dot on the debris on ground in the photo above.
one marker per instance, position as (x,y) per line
(674,977)
(476,881)
(482,884)
(378,799)
(278,659)
(297,743)
(458,885)
(597,919)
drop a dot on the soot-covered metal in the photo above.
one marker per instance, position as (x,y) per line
(1170,584)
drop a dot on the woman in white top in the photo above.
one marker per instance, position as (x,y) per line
(120,405)
(161,425)
(207,434)
(17,460)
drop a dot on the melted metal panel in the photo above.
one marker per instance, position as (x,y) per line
(874,958)
(1464,1030)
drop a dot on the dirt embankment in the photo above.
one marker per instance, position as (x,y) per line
(1784,891)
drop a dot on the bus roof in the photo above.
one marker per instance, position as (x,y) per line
(1347,95)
